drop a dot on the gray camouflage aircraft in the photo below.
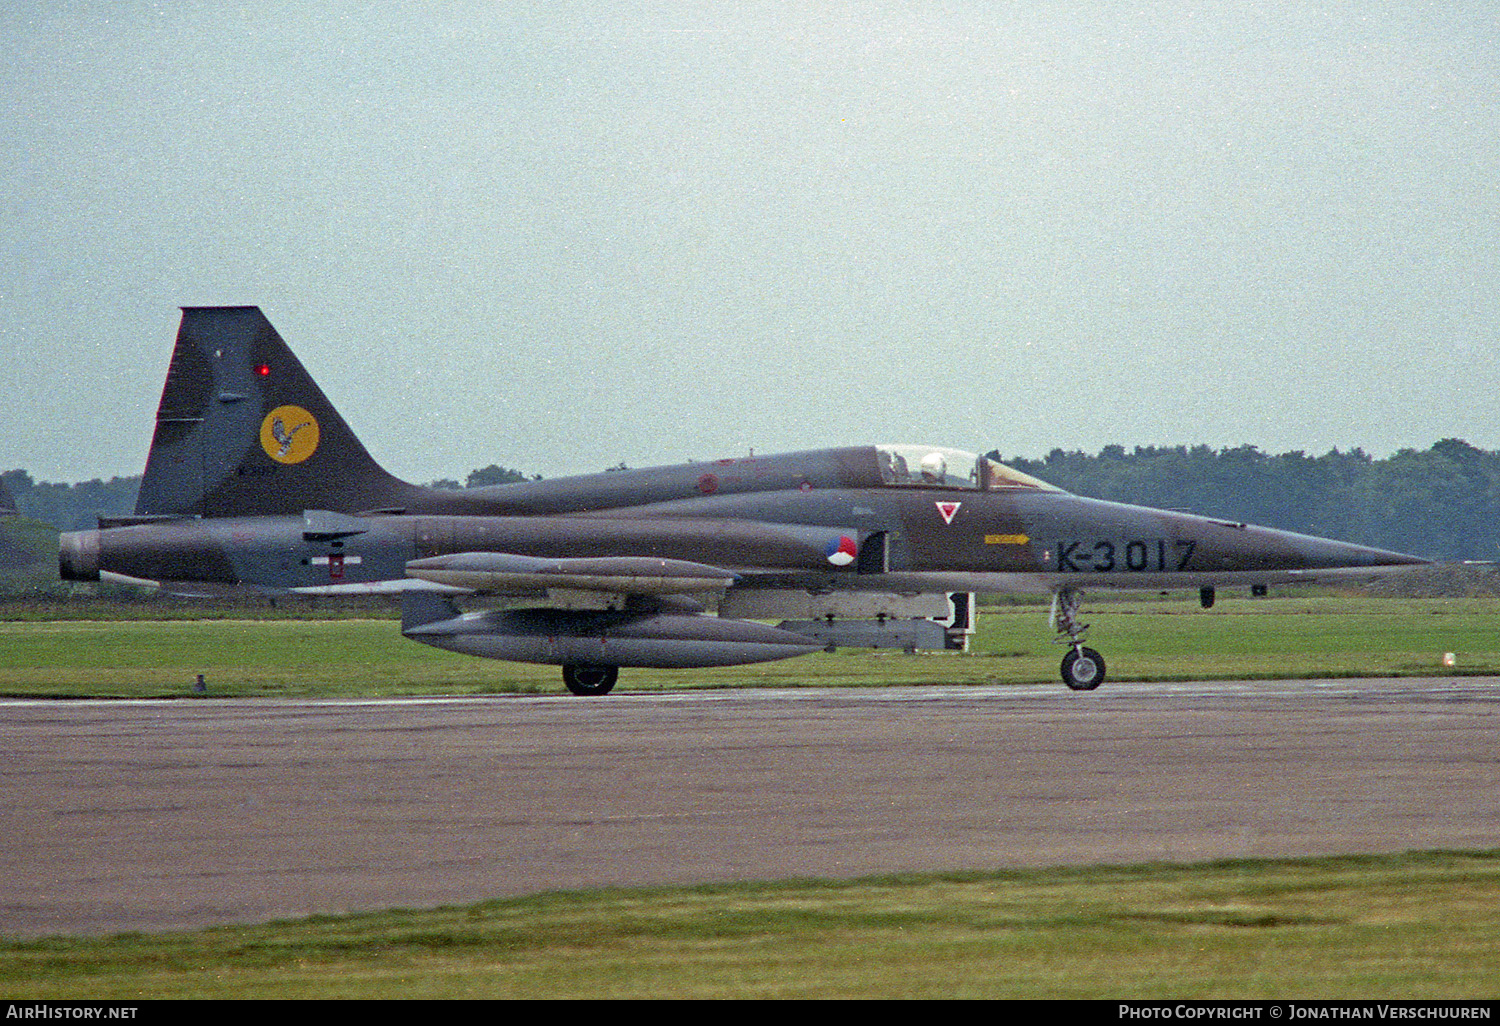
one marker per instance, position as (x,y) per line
(255,481)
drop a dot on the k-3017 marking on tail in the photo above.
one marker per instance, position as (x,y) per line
(255,481)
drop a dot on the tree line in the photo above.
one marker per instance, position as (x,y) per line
(1442,502)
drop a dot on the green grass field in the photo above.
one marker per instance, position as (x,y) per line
(1155,639)
(1421,925)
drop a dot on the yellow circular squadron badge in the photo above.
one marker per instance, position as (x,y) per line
(289,434)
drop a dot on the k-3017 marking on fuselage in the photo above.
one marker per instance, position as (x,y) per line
(1138,555)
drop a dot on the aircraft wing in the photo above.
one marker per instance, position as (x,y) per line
(1033,583)
(189,589)
(509,574)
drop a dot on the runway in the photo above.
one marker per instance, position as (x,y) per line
(158,815)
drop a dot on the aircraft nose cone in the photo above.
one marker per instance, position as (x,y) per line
(1344,554)
(1222,546)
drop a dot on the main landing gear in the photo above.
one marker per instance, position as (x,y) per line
(583,679)
(1082,668)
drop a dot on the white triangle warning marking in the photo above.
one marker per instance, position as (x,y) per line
(948,510)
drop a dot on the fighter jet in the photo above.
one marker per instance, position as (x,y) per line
(255,481)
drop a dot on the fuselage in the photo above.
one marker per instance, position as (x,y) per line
(821,520)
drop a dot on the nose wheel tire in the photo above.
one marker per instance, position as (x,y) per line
(590,680)
(1083,669)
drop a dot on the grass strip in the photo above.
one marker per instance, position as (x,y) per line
(1415,925)
(1142,640)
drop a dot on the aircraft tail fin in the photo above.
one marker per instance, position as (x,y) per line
(243,430)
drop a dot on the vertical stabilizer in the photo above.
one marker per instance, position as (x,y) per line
(242,430)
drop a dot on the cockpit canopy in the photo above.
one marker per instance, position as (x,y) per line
(933,466)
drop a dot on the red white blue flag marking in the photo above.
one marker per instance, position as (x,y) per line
(842,550)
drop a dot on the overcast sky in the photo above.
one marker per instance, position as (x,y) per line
(559,236)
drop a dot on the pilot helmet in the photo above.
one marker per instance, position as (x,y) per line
(934,467)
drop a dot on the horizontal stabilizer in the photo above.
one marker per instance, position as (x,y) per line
(105,523)
(325,525)
(419,609)
(506,573)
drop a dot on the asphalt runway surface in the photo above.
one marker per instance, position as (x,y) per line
(173,814)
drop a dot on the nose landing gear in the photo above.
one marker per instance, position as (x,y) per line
(1082,668)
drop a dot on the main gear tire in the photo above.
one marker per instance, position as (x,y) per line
(582,679)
